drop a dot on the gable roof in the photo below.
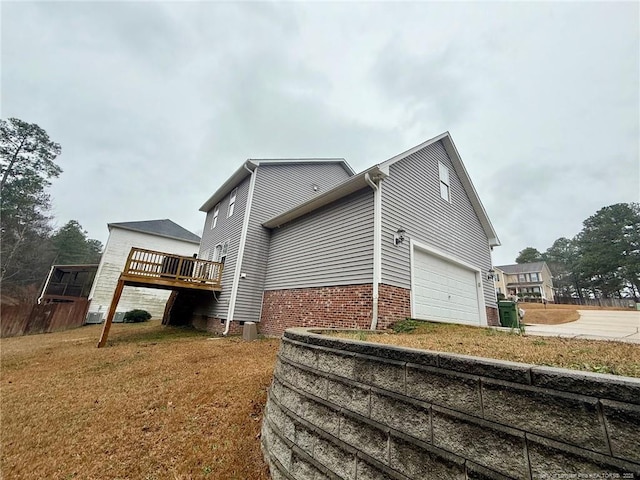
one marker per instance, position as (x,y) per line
(355,183)
(382,170)
(251,164)
(533,267)
(162,228)
(463,175)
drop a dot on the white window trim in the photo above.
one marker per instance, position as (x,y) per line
(219,249)
(232,202)
(443,174)
(214,220)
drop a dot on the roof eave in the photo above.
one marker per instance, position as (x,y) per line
(239,175)
(195,242)
(284,161)
(80,265)
(355,183)
(251,164)
(465,179)
(463,175)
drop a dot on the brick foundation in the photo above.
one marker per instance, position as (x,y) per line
(345,306)
(394,304)
(492,316)
(214,325)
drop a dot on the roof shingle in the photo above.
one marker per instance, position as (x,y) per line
(162,228)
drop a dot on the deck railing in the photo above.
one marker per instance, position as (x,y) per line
(149,264)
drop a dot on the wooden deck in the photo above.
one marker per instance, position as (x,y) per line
(151,269)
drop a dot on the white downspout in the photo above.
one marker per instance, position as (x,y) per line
(377,246)
(243,241)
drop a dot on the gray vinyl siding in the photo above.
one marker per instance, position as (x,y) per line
(226,229)
(277,188)
(411,200)
(330,246)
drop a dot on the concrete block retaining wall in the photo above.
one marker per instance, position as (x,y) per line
(341,409)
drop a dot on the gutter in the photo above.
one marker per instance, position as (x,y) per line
(377,245)
(243,241)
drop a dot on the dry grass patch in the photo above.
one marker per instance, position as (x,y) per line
(156,403)
(590,355)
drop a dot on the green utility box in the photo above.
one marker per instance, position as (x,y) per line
(508,314)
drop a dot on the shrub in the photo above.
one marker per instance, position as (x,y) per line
(405,326)
(135,316)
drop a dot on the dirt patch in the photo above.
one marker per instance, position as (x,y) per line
(537,314)
(561,306)
(556,314)
(157,402)
(589,355)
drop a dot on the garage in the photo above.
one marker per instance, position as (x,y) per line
(444,290)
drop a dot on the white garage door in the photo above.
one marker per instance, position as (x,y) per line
(443,291)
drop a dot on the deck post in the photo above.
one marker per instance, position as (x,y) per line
(112,311)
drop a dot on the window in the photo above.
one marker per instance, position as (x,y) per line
(214,221)
(444,182)
(522,278)
(232,201)
(535,277)
(220,252)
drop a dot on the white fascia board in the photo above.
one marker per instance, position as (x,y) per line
(232,182)
(252,164)
(304,161)
(352,185)
(136,230)
(387,163)
(462,173)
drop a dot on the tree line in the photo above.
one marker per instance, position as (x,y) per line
(29,243)
(602,261)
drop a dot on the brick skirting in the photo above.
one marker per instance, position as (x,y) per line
(492,316)
(394,304)
(344,306)
(214,325)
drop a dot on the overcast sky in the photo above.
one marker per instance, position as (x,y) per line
(156,104)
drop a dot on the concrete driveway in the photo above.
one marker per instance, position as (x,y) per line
(595,324)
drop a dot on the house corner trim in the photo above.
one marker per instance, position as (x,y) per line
(239,258)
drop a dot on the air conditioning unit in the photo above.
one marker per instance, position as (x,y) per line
(118,317)
(94,317)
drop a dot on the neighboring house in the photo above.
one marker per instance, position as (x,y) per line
(525,280)
(308,242)
(159,235)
